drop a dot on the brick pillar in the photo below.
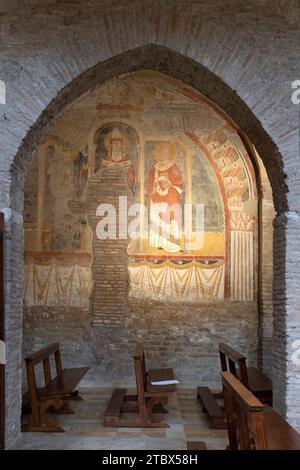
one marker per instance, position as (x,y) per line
(286,299)
(109,267)
(13,293)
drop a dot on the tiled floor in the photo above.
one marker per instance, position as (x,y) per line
(84,429)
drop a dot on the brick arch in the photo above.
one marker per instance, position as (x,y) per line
(225,99)
(167,61)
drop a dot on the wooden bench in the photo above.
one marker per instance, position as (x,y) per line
(149,399)
(216,415)
(55,392)
(253,379)
(251,424)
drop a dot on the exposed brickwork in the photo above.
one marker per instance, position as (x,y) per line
(286,314)
(175,331)
(109,267)
(266,275)
(13,306)
(181,336)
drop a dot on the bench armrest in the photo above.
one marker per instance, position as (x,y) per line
(231,353)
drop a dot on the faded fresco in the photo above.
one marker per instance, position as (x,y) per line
(117,145)
(172,148)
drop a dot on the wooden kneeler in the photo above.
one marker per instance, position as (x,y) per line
(216,415)
(149,399)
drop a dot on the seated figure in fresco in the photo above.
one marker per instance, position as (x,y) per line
(116,144)
(164,186)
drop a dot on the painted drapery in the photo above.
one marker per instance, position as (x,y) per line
(191,282)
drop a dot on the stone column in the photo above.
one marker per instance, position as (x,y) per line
(286,303)
(265,353)
(13,292)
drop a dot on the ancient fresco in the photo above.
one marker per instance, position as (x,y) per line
(173,151)
(117,145)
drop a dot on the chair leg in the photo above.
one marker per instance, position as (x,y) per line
(64,410)
(151,404)
(75,396)
(45,424)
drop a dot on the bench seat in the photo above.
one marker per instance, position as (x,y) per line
(259,384)
(280,435)
(258,381)
(65,383)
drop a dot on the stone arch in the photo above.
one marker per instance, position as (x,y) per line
(225,100)
(170,62)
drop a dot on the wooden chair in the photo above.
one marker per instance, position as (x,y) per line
(54,394)
(255,380)
(149,399)
(251,425)
(252,378)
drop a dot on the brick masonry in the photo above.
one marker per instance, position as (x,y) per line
(266,275)
(109,267)
(243,59)
(180,336)
(104,332)
(183,335)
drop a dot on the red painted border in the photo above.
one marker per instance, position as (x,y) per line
(215,167)
(58,254)
(170,257)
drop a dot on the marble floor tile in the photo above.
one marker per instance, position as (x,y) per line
(85,430)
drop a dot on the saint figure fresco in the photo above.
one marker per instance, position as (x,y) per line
(112,150)
(164,187)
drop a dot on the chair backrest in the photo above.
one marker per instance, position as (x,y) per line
(231,360)
(140,372)
(43,355)
(244,415)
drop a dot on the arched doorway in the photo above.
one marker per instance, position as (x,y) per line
(193,74)
(108,147)
(180,286)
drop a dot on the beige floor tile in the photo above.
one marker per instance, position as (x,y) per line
(85,430)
